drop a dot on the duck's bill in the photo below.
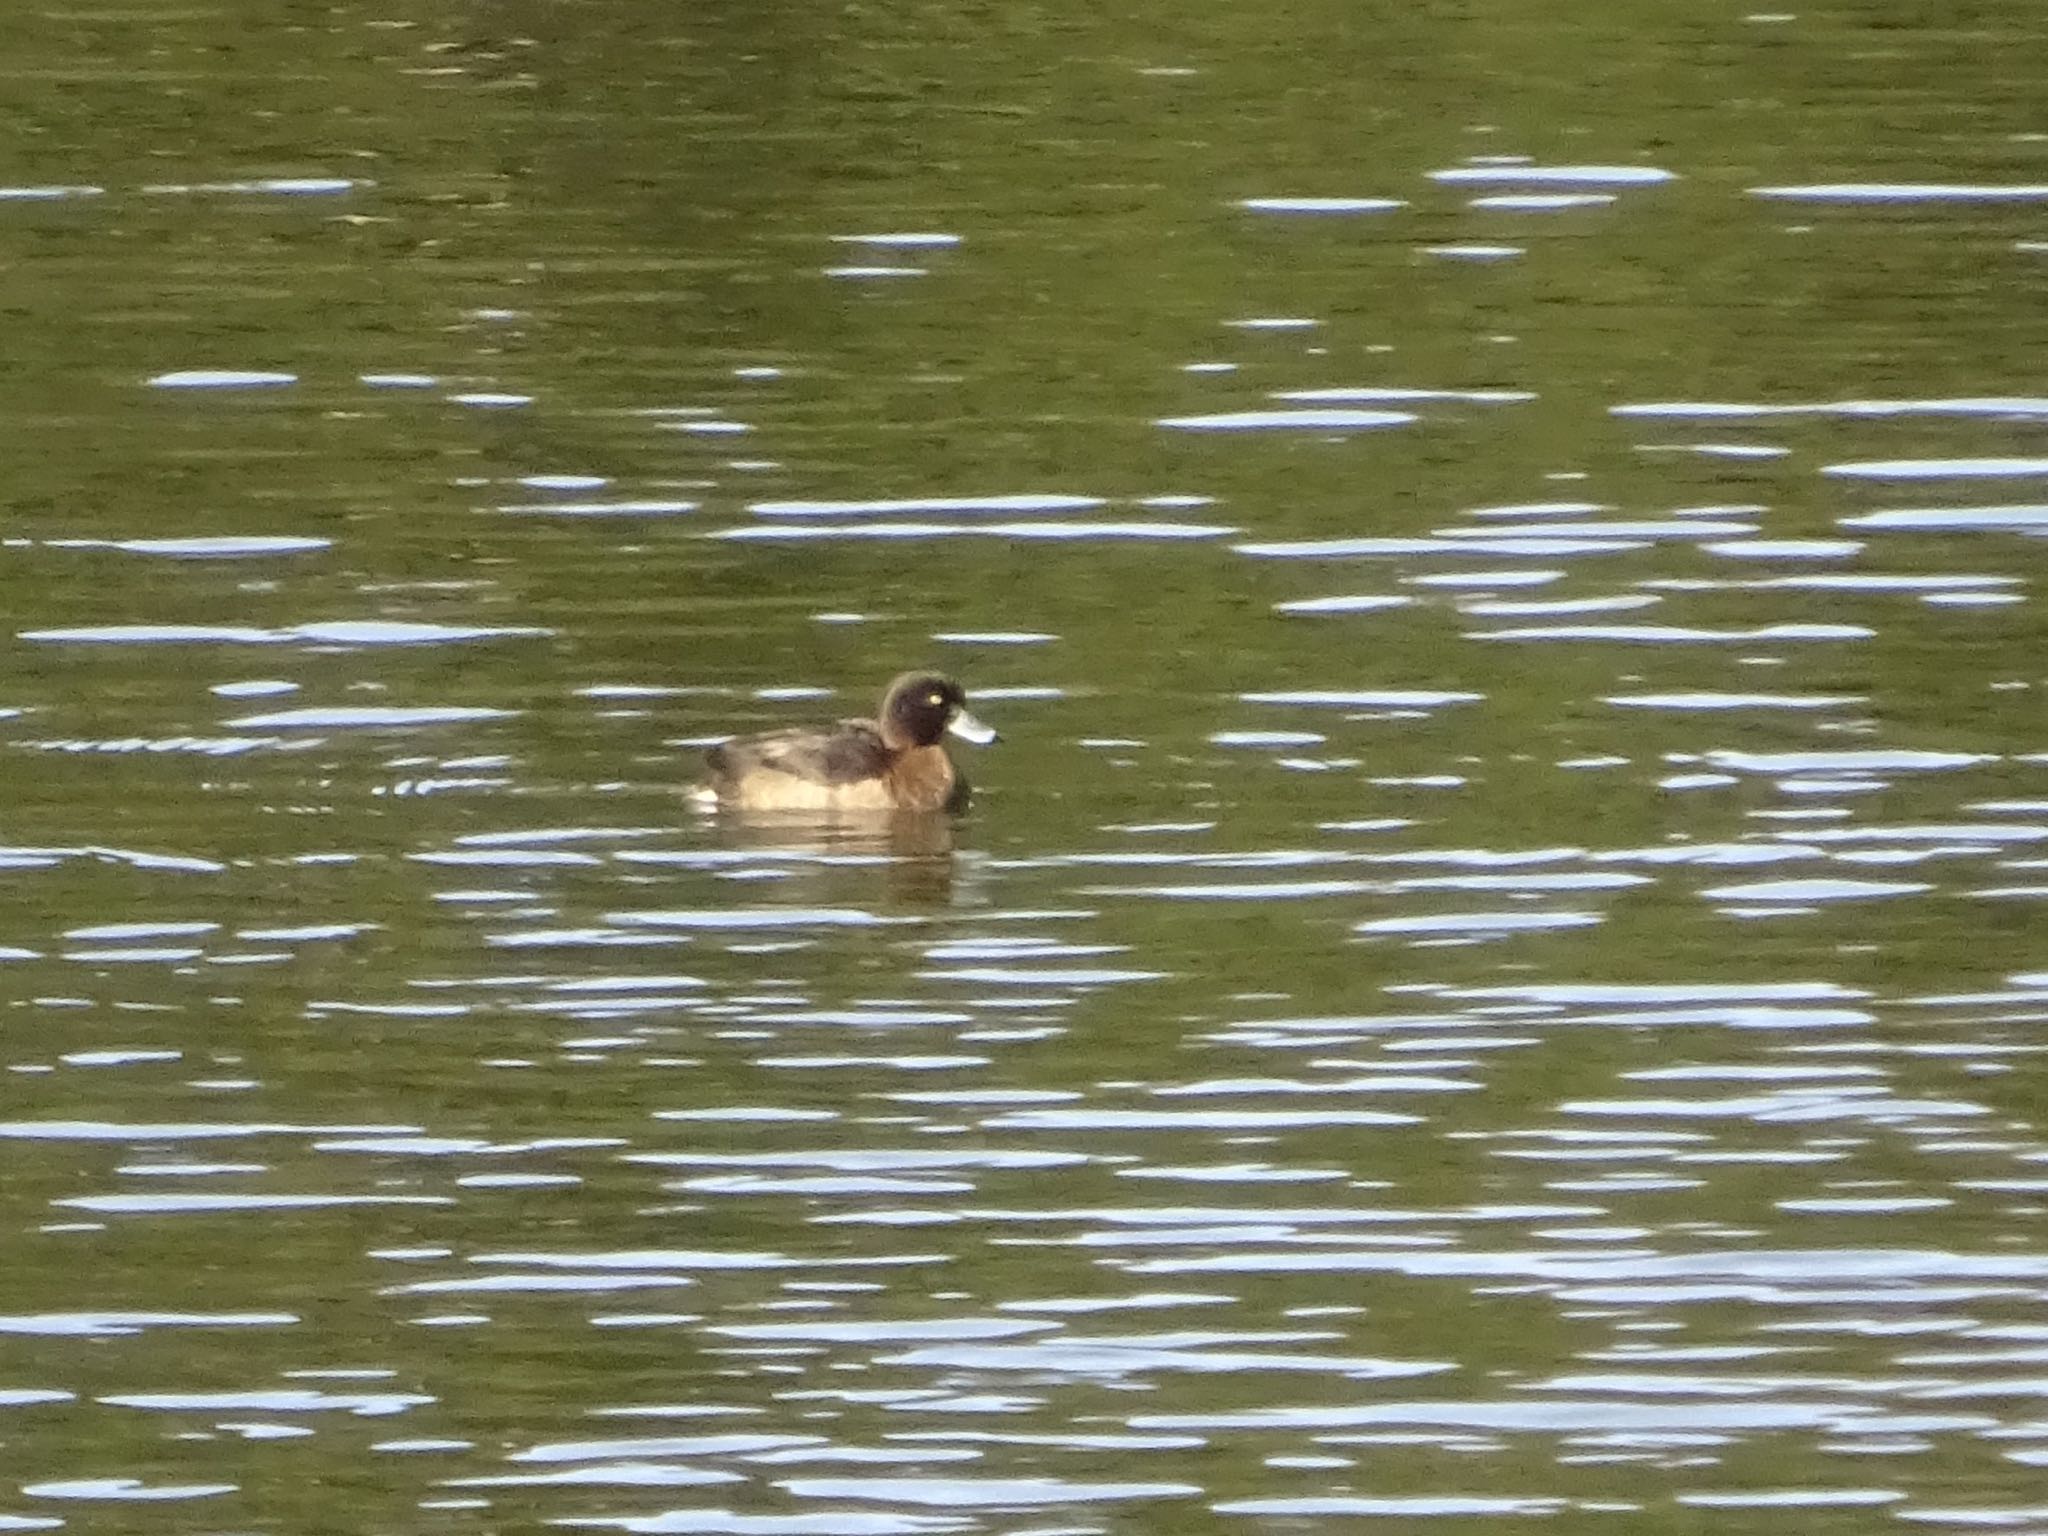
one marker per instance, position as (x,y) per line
(967,728)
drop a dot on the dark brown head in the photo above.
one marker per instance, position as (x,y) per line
(920,707)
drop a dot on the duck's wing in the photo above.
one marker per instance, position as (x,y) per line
(850,753)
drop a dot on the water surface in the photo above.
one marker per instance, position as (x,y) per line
(1494,976)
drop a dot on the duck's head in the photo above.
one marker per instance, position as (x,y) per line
(920,707)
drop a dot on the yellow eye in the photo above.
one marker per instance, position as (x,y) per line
(935,699)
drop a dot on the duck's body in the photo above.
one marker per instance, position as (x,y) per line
(891,763)
(846,767)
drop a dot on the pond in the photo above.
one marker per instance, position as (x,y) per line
(1494,974)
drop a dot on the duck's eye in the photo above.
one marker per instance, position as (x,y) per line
(935,699)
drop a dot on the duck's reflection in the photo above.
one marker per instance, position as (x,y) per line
(911,853)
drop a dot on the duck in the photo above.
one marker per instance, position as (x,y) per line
(893,762)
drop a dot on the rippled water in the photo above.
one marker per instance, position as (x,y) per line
(1494,975)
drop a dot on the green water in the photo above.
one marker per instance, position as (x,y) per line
(1494,975)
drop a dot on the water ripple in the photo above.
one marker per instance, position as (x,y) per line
(1328,419)
(1001,530)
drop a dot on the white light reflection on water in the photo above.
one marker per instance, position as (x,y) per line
(341,632)
(1513,172)
(1542,202)
(1321,205)
(1905,192)
(1994,406)
(1324,419)
(1051,531)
